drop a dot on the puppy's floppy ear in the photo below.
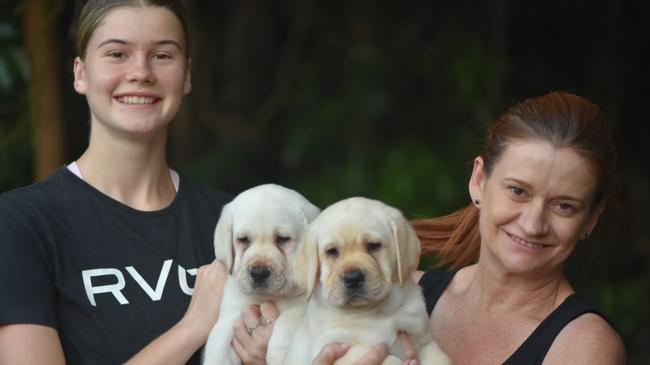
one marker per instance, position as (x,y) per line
(407,247)
(308,212)
(311,212)
(223,241)
(306,265)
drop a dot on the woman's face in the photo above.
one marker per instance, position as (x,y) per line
(135,72)
(534,206)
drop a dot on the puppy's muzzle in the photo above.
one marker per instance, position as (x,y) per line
(259,274)
(353,280)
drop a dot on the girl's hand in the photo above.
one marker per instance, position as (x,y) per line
(203,311)
(253,332)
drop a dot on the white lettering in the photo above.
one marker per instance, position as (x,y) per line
(160,285)
(115,289)
(182,279)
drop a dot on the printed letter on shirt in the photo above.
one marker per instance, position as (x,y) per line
(115,289)
(160,285)
(182,279)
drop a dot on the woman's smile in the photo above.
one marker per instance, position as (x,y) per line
(525,243)
(525,224)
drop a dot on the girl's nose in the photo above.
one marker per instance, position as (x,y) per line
(141,71)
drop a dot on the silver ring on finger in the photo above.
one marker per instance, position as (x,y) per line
(267,321)
(250,330)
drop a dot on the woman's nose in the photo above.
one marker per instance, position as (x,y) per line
(533,220)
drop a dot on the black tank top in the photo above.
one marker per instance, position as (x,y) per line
(534,349)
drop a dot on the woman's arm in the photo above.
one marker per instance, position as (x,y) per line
(588,339)
(180,342)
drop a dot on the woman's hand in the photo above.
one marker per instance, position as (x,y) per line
(334,351)
(409,350)
(253,332)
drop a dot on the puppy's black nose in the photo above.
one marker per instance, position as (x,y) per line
(259,274)
(353,279)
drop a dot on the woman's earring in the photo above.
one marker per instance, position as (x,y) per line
(585,235)
(477,202)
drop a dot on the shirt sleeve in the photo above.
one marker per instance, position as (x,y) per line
(27,292)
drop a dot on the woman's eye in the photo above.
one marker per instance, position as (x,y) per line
(280,240)
(566,208)
(373,246)
(332,252)
(516,191)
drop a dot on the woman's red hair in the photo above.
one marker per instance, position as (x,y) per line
(561,119)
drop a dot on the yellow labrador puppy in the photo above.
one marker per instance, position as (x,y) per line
(256,237)
(355,264)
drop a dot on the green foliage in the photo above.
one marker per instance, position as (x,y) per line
(15,147)
(627,303)
(387,100)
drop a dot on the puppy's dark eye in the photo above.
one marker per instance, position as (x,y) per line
(332,252)
(280,240)
(373,246)
(244,240)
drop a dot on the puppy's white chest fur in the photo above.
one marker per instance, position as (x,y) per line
(324,324)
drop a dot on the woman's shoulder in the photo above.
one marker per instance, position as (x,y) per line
(588,339)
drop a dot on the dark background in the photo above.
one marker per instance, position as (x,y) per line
(386,99)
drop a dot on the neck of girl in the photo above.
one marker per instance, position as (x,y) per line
(132,171)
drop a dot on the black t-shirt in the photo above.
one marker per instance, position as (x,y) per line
(535,347)
(108,277)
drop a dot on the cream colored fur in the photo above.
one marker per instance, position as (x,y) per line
(376,240)
(261,227)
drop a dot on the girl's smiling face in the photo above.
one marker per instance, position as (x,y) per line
(135,72)
(535,205)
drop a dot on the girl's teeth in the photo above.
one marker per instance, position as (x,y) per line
(136,100)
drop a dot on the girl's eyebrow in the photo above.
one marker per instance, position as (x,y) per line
(127,43)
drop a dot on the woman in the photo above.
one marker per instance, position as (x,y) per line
(95,261)
(537,190)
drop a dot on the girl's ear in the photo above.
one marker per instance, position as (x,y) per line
(477,181)
(79,71)
(187,87)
